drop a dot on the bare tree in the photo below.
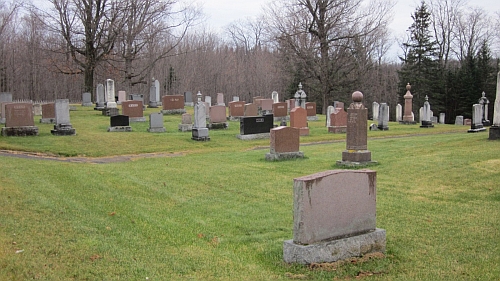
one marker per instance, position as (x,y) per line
(8,11)
(471,31)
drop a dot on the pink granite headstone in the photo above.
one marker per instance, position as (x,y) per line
(280,109)
(237,108)
(173,102)
(19,115)
(132,109)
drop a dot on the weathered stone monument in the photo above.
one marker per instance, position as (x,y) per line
(298,119)
(356,153)
(153,102)
(383,117)
(100,97)
(37,109)
(220,99)
(399,113)
(186,124)
(63,125)
(200,130)
(408,117)
(334,217)
(218,118)
(156,123)
(110,94)
(459,120)
(375,110)
(48,113)
(188,99)
(133,109)
(477,118)
(5,97)
(158,92)
(87,99)
(442,117)
(122,96)
(484,102)
(284,144)
(338,121)
(275,97)
(426,114)
(19,120)
(495,127)
(119,123)
(300,97)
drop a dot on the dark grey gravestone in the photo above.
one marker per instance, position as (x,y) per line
(156,123)
(188,99)
(153,103)
(119,123)
(383,117)
(100,99)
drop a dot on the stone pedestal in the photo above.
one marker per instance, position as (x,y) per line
(21,131)
(120,129)
(200,134)
(494,133)
(63,130)
(426,124)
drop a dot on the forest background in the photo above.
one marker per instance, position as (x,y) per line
(56,49)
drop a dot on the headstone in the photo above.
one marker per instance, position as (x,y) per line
(356,153)
(157,92)
(484,102)
(467,122)
(311,111)
(383,117)
(375,110)
(280,110)
(284,144)
(421,115)
(37,109)
(200,130)
(156,123)
(119,123)
(459,120)
(256,100)
(427,113)
(186,124)
(63,125)
(236,110)
(298,119)
(136,97)
(300,97)
(251,109)
(173,105)
(256,127)
(408,117)
(266,106)
(334,217)
(19,120)
(188,99)
(275,97)
(477,119)
(236,98)
(338,121)
(399,113)
(110,94)
(495,127)
(48,113)
(338,104)
(291,104)
(87,99)
(208,99)
(220,99)
(442,118)
(133,109)
(153,102)
(329,110)
(122,96)
(100,97)
(434,119)
(218,119)
(5,97)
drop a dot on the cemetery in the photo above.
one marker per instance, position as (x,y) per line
(78,208)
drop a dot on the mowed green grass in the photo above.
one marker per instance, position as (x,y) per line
(221,212)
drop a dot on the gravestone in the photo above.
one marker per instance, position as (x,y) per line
(236,98)
(5,97)
(119,123)
(477,119)
(338,121)
(173,105)
(383,117)
(153,102)
(266,107)
(284,144)
(158,92)
(356,153)
(375,110)
(19,120)
(256,127)
(186,124)
(256,100)
(459,120)
(291,104)
(200,130)
(334,217)
(338,104)
(87,99)
(275,97)
(442,117)
(280,111)
(329,110)
(251,109)
(100,97)
(37,109)
(495,127)
(220,99)
(63,125)
(133,109)
(484,102)
(156,123)
(48,113)
(311,111)
(408,117)
(467,122)
(110,94)
(122,96)
(300,97)
(426,114)
(188,99)
(399,113)
(236,110)
(208,99)
(218,119)
(298,119)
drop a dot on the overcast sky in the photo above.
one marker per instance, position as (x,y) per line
(223,12)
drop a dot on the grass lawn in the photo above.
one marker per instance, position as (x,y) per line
(217,210)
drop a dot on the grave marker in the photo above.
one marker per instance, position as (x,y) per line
(173,105)
(19,120)
(133,109)
(298,119)
(495,127)
(63,125)
(156,123)
(87,99)
(48,113)
(186,123)
(284,144)
(256,127)
(119,123)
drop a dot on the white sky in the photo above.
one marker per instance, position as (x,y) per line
(223,12)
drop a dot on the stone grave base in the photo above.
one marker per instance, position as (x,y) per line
(426,124)
(337,129)
(157,130)
(335,250)
(110,111)
(185,127)
(312,118)
(222,125)
(200,134)
(254,136)
(87,104)
(408,122)
(137,119)
(384,128)
(100,108)
(20,131)
(476,130)
(494,133)
(120,129)
(153,104)
(48,120)
(173,111)
(63,130)
(356,158)
(304,131)
(284,156)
